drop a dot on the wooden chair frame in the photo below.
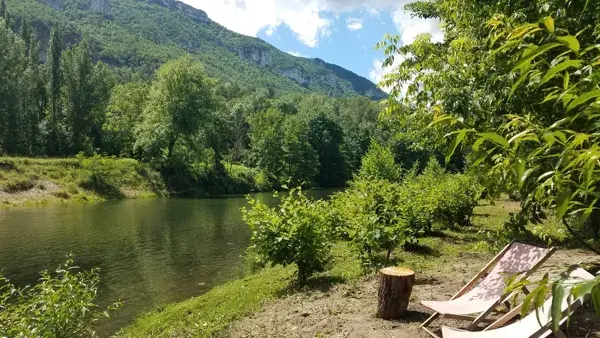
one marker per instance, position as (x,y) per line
(482,317)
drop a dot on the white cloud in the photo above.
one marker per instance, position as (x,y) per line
(297,54)
(306,18)
(378,71)
(410,27)
(354,24)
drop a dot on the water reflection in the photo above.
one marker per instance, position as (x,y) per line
(150,252)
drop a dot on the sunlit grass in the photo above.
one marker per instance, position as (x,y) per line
(211,313)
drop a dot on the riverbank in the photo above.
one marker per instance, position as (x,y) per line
(36,181)
(340,302)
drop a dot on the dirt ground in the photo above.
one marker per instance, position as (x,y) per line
(348,310)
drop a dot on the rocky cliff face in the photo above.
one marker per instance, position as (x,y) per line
(189,11)
(255,54)
(100,6)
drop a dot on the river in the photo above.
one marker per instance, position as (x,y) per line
(150,252)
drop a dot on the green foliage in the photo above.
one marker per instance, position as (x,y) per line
(517,87)
(378,215)
(123,114)
(179,102)
(374,218)
(61,304)
(379,163)
(140,36)
(295,232)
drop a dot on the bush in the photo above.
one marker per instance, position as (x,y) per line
(60,305)
(378,215)
(379,163)
(372,217)
(459,195)
(295,232)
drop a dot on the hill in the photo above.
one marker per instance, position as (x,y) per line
(142,34)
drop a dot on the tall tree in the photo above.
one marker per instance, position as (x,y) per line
(180,101)
(301,163)
(78,97)
(326,137)
(12,65)
(55,126)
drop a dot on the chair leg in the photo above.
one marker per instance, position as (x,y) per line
(427,322)
(430,319)
(560,334)
(480,318)
(430,332)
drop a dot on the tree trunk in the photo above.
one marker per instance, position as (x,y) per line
(395,287)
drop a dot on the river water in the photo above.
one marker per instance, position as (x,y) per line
(150,252)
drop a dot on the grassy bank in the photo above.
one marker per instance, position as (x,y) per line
(213,312)
(28,181)
(35,181)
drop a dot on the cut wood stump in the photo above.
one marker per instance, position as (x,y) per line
(395,287)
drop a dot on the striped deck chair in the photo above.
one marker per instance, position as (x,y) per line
(480,296)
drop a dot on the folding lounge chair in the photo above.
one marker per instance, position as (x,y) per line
(528,327)
(484,292)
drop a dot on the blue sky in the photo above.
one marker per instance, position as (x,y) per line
(350,43)
(342,32)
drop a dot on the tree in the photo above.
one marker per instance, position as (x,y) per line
(78,97)
(12,65)
(179,102)
(301,164)
(526,108)
(266,139)
(124,113)
(55,124)
(326,137)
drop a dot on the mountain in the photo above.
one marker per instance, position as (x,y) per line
(143,34)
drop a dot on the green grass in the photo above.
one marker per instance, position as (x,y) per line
(211,313)
(28,181)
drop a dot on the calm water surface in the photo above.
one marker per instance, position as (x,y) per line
(150,252)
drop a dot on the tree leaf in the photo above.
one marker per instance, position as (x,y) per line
(596,298)
(559,68)
(520,169)
(495,138)
(459,137)
(562,203)
(525,60)
(583,99)
(517,84)
(570,41)
(558,294)
(549,24)
(527,302)
(524,176)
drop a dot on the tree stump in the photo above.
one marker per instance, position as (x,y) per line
(395,287)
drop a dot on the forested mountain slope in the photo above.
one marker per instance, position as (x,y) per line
(140,35)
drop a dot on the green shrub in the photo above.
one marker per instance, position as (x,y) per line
(295,232)
(379,163)
(459,195)
(60,305)
(373,218)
